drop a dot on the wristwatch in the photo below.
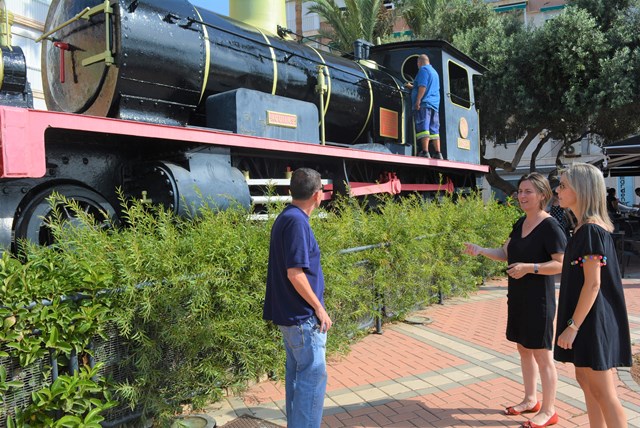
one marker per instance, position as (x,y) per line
(572,324)
(535,268)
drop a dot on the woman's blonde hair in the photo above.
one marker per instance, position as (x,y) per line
(541,184)
(591,202)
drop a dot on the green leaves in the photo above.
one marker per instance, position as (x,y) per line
(53,338)
(8,322)
(5,385)
(358,19)
(71,401)
(179,304)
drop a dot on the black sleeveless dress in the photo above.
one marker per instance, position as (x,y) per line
(603,341)
(531,302)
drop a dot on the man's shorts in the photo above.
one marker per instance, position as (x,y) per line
(427,122)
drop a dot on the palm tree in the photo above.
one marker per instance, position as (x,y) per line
(416,13)
(359,19)
(299,18)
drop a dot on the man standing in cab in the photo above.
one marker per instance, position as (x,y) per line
(425,102)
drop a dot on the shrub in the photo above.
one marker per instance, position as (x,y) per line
(188,294)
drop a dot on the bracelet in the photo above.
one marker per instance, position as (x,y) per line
(572,324)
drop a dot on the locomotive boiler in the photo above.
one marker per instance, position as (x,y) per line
(159,61)
(180,106)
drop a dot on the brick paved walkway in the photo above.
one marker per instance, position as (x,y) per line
(457,371)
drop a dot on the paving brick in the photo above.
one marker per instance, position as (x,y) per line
(458,371)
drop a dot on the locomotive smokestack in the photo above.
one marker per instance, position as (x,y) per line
(264,14)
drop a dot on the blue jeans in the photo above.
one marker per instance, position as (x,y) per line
(306,373)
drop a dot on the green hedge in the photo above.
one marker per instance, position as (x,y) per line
(187,294)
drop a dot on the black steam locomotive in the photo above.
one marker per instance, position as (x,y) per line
(199,108)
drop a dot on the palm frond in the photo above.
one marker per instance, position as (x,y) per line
(357,20)
(416,13)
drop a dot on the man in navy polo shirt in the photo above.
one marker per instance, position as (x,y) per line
(294,301)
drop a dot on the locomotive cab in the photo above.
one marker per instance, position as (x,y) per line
(460,130)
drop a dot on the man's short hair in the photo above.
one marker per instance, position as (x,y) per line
(304,183)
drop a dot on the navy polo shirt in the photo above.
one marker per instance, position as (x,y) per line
(292,245)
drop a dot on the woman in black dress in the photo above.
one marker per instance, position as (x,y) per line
(534,252)
(593,328)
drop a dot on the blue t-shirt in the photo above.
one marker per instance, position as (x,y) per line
(292,245)
(428,77)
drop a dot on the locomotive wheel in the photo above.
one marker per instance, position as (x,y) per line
(30,222)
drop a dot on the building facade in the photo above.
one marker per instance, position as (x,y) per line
(533,12)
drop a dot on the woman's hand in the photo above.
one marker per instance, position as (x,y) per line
(518,270)
(565,340)
(472,249)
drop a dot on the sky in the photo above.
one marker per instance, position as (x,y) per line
(218,6)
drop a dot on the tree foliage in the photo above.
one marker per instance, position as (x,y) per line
(359,19)
(416,13)
(576,75)
(604,11)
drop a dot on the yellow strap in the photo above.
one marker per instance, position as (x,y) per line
(273,59)
(364,127)
(207,56)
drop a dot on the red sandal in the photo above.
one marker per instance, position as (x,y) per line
(511,411)
(552,421)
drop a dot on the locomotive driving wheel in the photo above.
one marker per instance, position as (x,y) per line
(31,219)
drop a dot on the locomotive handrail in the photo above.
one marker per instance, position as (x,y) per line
(348,55)
(321,89)
(78,16)
(283,31)
(291,53)
(452,95)
(87,13)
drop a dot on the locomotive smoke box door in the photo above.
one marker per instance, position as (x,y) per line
(69,85)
